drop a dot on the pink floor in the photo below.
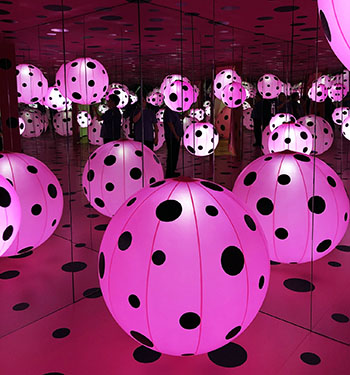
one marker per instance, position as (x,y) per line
(297,331)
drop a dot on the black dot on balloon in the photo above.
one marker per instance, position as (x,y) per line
(109,160)
(76,95)
(109,186)
(264,206)
(316,204)
(323,246)
(36,210)
(212,186)
(230,355)
(298,285)
(145,355)
(211,210)
(173,97)
(191,149)
(189,320)
(233,333)
(135,173)
(7,233)
(346,216)
(283,179)
(20,306)
(198,133)
(281,233)
(250,222)
(32,169)
(99,202)
(5,198)
(158,183)
(331,181)
(134,301)
(90,175)
(310,358)
(124,240)
(52,191)
(261,282)
(131,202)
(302,157)
(232,260)
(158,257)
(141,338)
(101,265)
(274,136)
(91,83)
(61,333)
(287,140)
(340,318)
(249,178)
(138,153)
(303,135)
(169,210)
(268,158)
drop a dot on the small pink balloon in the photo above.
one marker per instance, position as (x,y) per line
(337,92)
(94,131)
(222,79)
(269,86)
(345,129)
(84,119)
(201,139)
(121,91)
(281,118)
(62,123)
(55,99)
(300,202)
(168,281)
(340,114)
(318,92)
(34,123)
(179,96)
(248,122)
(233,95)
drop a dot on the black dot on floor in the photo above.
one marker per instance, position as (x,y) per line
(141,338)
(80,244)
(92,293)
(101,227)
(60,333)
(189,320)
(344,248)
(22,255)
(74,266)
(9,275)
(145,355)
(310,358)
(169,210)
(20,306)
(230,355)
(124,240)
(334,264)
(340,318)
(298,285)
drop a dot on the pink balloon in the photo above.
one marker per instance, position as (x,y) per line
(114,172)
(265,140)
(281,118)
(84,119)
(155,98)
(345,129)
(34,123)
(179,96)
(86,79)
(222,79)
(248,122)
(31,84)
(290,137)
(62,123)
(40,197)
(201,139)
(10,215)
(171,284)
(94,131)
(161,136)
(56,100)
(280,189)
(337,92)
(335,22)
(320,128)
(318,92)
(121,91)
(340,114)
(269,86)
(169,79)
(233,95)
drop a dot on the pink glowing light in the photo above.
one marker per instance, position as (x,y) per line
(269,86)
(179,96)
(233,95)
(55,100)
(34,124)
(318,92)
(121,91)
(201,139)
(340,114)
(222,79)
(94,131)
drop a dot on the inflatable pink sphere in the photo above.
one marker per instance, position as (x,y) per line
(325,80)
(233,95)
(290,137)
(94,131)
(114,172)
(160,115)
(321,131)
(155,98)
(337,92)
(86,78)
(335,23)
(197,114)
(121,91)
(281,118)
(222,79)
(179,96)
(132,97)
(40,197)
(161,136)
(340,114)
(10,215)
(84,119)
(280,189)
(265,140)
(31,84)
(34,123)
(169,79)
(345,129)
(201,139)
(269,86)
(248,122)
(62,123)
(171,284)
(318,92)
(55,100)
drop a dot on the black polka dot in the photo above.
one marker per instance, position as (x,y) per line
(323,246)
(230,355)
(109,160)
(32,169)
(131,202)
(52,191)
(101,227)
(135,173)
(281,233)
(344,248)
(60,333)
(138,153)
(36,210)
(9,275)
(303,135)
(211,210)
(274,136)
(145,355)
(264,206)
(249,178)
(99,202)
(141,338)
(109,186)
(283,179)
(168,210)
(250,222)
(76,95)
(189,320)
(101,265)
(92,293)
(5,198)
(298,285)
(310,358)
(74,266)
(325,26)
(212,186)
(340,318)
(331,181)
(158,257)
(90,175)
(7,233)
(261,282)
(20,306)
(316,204)
(302,157)
(134,301)
(334,264)
(124,240)
(232,260)
(233,333)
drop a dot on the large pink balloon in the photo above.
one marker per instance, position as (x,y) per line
(10,215)
(31,84)
(179,96)
(183,266)
(40,196)
(233,95)
(335,21)
(114,171)
(295,206)
(222,79)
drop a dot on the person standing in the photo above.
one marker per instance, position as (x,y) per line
(149,122)
(173,131)
(111,126)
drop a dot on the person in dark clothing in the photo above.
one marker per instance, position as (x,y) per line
(261,116)
(110,130)
(295,107)
(173,131)
(149,123)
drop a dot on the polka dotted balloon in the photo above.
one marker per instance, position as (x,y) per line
(55,100)
(168,281)
(291,137)
(169,79)
(197,113)
(114,172)
(318,92)
(31,84)
(84,119)
(160,115)
(10,215)
(265,140)
(325,80)
(161,136)
(132,97)
(222,123)
(269,86)
(201,139)
(34,123)
(178,96)
(62,123)
(155,98)
(248,122)
(340,114)
(271,184)
(94,131)
(102,108)
(222,79)
(337,92)
(121,91)
(321,131)
(281,118)
(42,208)
(233,95)
(86,79)
(345,129)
